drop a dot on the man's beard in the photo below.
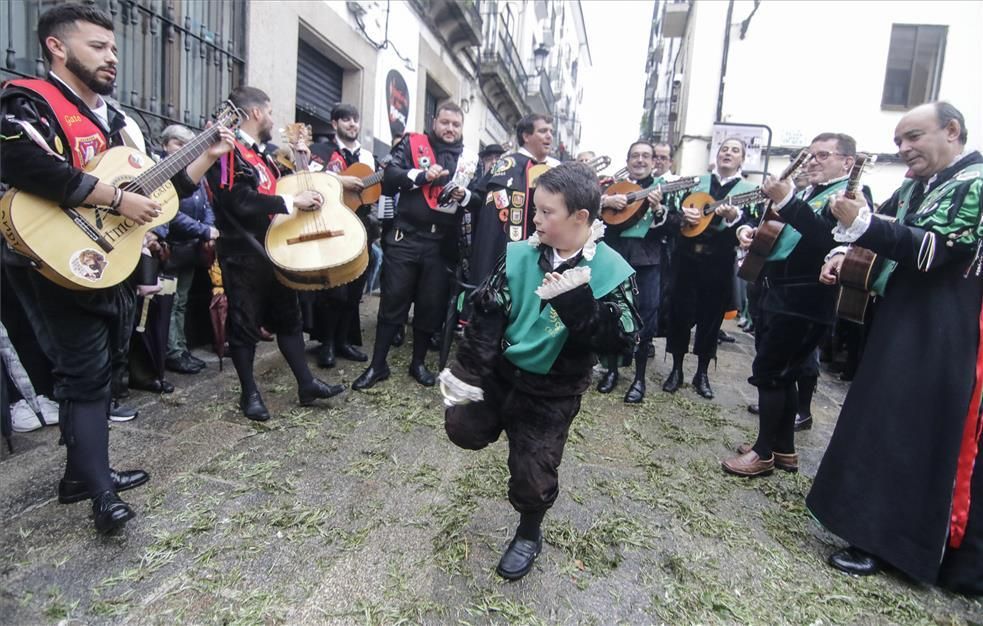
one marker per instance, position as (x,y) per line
(346,136)
(89,77)
(265,135)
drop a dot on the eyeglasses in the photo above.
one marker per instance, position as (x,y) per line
(662,157)
(641,155)
(822,155)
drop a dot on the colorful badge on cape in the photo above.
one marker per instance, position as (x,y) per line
(518,199)
(503,165)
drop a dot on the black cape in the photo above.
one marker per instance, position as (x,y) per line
(885,484)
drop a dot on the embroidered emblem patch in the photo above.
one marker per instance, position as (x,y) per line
(518,199)
(503,165)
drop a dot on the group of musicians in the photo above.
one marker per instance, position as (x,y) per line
(899,480)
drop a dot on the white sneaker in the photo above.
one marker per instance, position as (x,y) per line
(49,410)
(22,417)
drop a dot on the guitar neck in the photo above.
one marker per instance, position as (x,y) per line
(667,188)
(373,179)
(156,176)
(741,199)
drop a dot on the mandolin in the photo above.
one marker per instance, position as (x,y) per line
(93,247)
(316,249)
(636,198)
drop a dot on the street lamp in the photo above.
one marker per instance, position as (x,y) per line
(539,57)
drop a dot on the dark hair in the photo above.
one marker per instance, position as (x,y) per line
(448,105)
(57,20)
(640,142)
(577,183)
(344,112)
(246,97)
(527,125)
(947,113)
(846,144)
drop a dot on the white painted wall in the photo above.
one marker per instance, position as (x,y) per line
(809,67)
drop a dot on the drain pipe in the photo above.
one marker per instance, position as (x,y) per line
(723,61)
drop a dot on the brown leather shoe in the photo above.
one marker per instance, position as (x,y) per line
(787,462)
(784,462)
(748,465)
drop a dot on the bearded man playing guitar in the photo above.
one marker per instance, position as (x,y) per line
(336,316)
(51,129)
(645,245)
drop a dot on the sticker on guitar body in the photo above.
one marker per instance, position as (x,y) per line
(88,264)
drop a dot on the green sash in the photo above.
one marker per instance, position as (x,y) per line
(741,187)
(535,336)
(934,217)
(641,227)
(789,237)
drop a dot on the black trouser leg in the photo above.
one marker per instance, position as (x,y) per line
(242,358)
(771,406)
(292,348)
(641,359)
(806,385)
(384,334)
(85,428)
(421,343)
(785,434)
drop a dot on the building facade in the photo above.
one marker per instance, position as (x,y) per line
(808,67)
(394,60)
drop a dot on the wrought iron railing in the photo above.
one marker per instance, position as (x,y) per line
(499,46)
(177,58)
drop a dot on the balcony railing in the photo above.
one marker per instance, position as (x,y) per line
(500,47)
(503,76)
(539,93)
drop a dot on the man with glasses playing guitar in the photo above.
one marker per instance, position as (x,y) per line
(796,309)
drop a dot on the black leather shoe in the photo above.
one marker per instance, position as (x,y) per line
(803,422)
(351,353)
(71,491)
(701,382)
(370,377)
(608,381)
(153,386)
(753,409)
(399,337)
(855,561)
(422,375)
(651,350)
(636,393)
(110,513)
(182,365)
(193,359)
(519,558)
(673,382)
(252,407)
(317,390)
(325,355)
(723,337)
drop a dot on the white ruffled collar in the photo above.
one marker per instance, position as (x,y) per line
(590,247)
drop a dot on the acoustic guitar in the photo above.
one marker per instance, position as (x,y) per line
(632,212)
(94,247)
(316,249)
(857,273)
(371,185)
(769,229)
